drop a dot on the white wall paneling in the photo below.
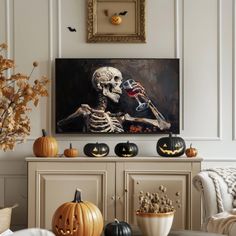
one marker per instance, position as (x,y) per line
(201,47)
(13,189)
(179,40)
(31,30)
(201,33)
(8,28)
(2,191)
(59,28)
(2,22)
(16,192)
(224,162)
(234,70)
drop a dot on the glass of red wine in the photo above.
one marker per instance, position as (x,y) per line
(135,90)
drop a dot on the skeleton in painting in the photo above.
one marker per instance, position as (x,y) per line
(107,82)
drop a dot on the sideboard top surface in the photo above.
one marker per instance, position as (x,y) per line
(113,159)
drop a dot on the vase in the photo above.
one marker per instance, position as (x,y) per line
(155,224)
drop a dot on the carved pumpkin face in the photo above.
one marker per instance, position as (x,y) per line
(116,20)
(96,149)
(126,149)
(170,146)
(77,218)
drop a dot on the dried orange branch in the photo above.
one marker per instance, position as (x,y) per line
(15,94)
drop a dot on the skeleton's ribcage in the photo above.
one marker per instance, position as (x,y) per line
(103,122)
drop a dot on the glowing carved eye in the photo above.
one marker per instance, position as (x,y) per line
(177,145)
(165,145)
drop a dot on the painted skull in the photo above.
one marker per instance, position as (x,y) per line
(108,80)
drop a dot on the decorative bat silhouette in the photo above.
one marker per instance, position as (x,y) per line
(123,13)
(106,12)
(71,29)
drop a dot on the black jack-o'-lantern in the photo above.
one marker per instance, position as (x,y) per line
(170,146)
(117,228)
(96,149)
(126,149)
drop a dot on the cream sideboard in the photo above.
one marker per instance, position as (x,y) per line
(113,184)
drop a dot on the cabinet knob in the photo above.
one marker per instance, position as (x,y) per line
(126,190)
(118,197)
(138,182)
(113,198)
(177,194)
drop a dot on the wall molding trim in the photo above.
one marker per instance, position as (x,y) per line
(8,36)
(233,71)
(219,69)
(50,60)
(179,41)
(219,75)
(220,160)
(59,54)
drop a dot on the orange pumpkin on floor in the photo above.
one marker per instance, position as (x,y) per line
(77,218)
(45,146)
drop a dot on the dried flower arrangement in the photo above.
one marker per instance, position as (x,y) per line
(15,94)
(155,202)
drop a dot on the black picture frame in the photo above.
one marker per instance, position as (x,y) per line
(159,78)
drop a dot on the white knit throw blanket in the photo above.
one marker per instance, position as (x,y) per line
(229,176)
(223,223)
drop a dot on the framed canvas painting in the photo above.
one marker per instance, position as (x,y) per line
(117,96)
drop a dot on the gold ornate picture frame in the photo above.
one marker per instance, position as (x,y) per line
(116,21)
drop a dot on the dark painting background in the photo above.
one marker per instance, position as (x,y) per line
(159,77)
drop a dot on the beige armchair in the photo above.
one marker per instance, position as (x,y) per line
(218,190)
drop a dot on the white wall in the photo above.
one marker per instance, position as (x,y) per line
(199,32)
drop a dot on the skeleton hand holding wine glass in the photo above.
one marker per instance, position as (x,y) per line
(136,90)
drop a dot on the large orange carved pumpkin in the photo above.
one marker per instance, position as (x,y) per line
(45,146)
(77,218)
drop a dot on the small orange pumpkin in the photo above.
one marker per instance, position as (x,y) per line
(45,146)
(71,152)
(191,152)
(116,20)
(77,218)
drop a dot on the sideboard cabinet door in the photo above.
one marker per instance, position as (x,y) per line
(148,177)
(52,184)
